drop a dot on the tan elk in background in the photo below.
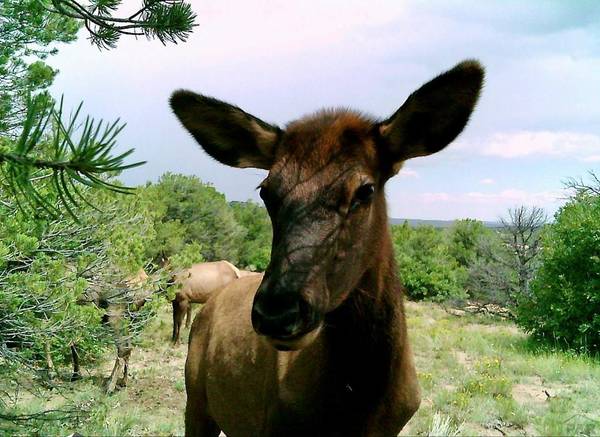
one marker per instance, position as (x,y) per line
(318,346)
(195,285)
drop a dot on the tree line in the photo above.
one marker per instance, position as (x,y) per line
(546,272)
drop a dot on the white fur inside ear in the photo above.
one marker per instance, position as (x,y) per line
(246,163)
(265,139)
(384,129)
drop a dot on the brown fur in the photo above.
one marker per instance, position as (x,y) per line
(332,356)
(195,285)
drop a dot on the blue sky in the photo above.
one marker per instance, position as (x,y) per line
(535,126)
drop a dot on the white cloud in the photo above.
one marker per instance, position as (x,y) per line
(592,158)
(435,197)
(487,181)
(408,172)
(576,145)
(482,206)
(513,195)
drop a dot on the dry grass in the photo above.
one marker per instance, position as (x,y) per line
(479,376)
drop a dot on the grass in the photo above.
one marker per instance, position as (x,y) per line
(152,404)
(484,376)
(478,375)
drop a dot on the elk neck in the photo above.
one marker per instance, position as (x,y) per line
(366,334)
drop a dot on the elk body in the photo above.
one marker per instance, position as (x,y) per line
(196,284)
(130,295)
(318,345)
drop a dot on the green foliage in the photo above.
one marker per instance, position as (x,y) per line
(255,249)
(166,20)
(125,224)
(427,269)
(38,151)
(41,280)
(194,212)
(190,254)
(51,266)
(491,273)
(45,150)
(564,305)
(465,260)
(193,222)
(465,238)
(492,280)
(27,32)
(48,157)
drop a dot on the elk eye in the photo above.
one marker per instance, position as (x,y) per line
(362,196)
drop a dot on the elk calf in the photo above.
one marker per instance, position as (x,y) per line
(318,345)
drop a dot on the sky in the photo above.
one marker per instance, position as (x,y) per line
(535,126)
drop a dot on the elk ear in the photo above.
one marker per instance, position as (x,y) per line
(432,116)
(228,134)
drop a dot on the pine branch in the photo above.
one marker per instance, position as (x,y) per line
(38,182)
(169,21)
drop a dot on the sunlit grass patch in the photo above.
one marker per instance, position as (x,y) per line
(565,417)
(510,412)
(179,386)
(485,374)
(443,426)
(489,385)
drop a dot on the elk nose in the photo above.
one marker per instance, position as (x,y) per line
(277,315)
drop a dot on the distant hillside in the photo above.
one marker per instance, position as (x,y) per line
(435,223)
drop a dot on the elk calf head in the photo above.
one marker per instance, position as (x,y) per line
(324,190)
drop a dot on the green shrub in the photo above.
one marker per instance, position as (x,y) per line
(426,268)
(464,241)
(255,249)
(564,305)
(491,281)
(490,270)
(190,211)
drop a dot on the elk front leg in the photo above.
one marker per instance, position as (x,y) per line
(75,360)
(124,380)
(49,363)
(125,356)
(197,421)
(401,401)
(112,380)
